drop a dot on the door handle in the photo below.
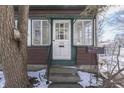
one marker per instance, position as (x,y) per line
(53,40)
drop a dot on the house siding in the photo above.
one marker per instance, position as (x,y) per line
(85,58)
(37,55)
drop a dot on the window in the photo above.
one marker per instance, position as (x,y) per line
(40,32)
(83,32)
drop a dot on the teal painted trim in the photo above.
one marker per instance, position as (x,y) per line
(76,56)
(38,17)
(51,31)
(63,62)
(61,17)
(69,17)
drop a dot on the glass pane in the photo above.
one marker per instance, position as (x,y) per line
(57,33)
(61,30)
(79,25)
(45,32)
(45,35)
(88,32)
(61,36)
(61,25)
(66,25)
(37,24)
(61,33)
(36,32)
(57,25)
(78,32)
(66,34)
(37,37)
(45,23)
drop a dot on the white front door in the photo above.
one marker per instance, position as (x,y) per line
(62,39)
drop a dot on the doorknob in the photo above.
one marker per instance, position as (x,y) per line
(53,40)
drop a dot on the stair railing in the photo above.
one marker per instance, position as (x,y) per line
(49,60)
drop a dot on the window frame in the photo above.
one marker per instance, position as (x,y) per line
(29,33)
(49,30)
(75,44)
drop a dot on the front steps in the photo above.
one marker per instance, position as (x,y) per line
(64,85)
(63,74)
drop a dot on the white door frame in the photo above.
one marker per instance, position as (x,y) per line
(64,53)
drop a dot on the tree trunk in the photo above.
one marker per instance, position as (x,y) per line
(11,51)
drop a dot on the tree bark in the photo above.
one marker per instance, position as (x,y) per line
(11,55)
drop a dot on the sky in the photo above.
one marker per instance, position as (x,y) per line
(109,30)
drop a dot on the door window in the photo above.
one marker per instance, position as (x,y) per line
(61,30)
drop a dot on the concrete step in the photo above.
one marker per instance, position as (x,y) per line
(64,85)
(62,70)
(61,74)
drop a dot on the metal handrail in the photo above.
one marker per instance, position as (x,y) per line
(49,63)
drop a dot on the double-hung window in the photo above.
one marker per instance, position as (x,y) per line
(83,32)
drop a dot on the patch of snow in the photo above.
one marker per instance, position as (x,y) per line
(40,76)
(34,74)
(88,79)
(2,80)
(109,60)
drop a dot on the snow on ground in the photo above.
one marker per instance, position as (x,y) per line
(37,74)
(88,79)
(2,80)
(109,61)
(40,77)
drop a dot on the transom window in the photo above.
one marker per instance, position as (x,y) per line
(83,32)
(40,32)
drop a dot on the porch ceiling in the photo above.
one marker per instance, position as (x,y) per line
(54,9)
(59,10)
